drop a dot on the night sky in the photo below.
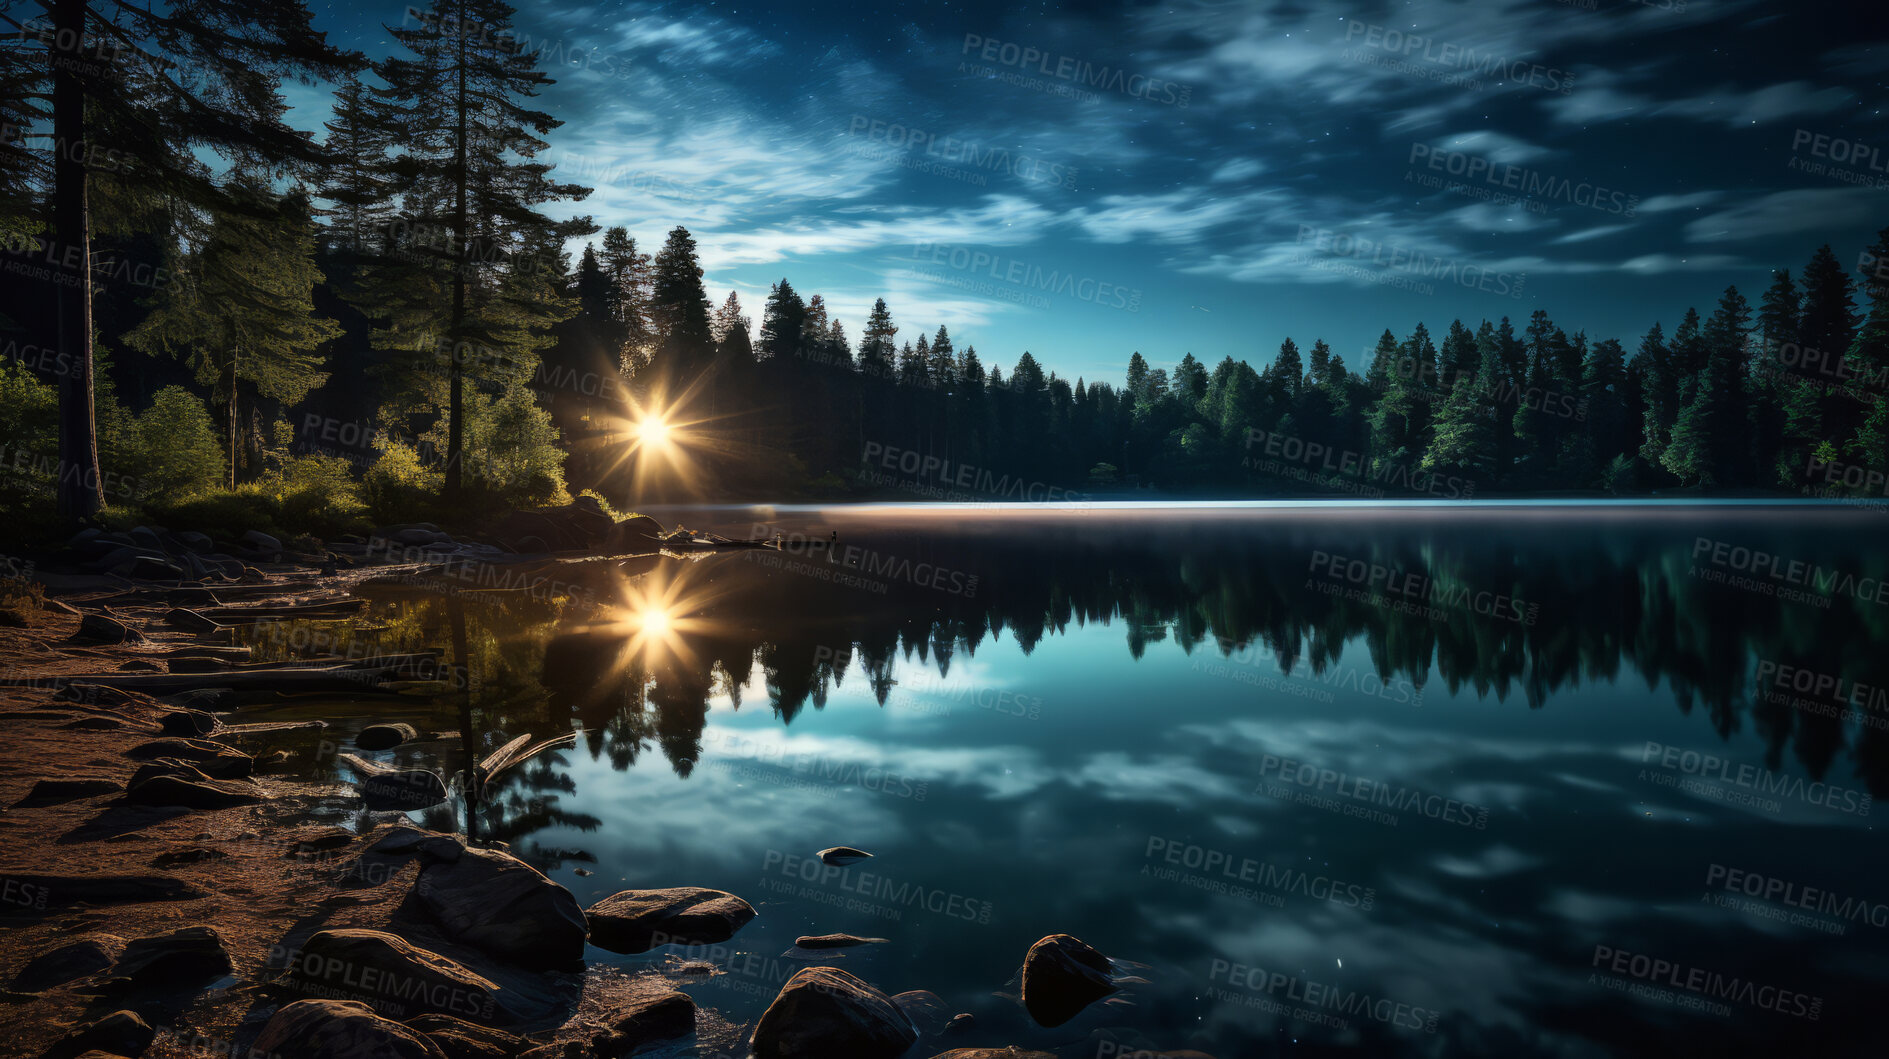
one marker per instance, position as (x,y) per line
(1099,178)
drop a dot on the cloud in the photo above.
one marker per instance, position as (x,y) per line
(1790,212)
(1497,147)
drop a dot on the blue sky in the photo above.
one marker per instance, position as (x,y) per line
(1233,172)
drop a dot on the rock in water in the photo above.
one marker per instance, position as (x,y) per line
(340,1029)
(823,1011)
(1061,976)
(119,1033)
(835,941)
(501,905)
(383,970)
(842,855)
(385,736)
(636,921)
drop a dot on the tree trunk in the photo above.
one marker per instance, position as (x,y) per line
(233,432)
(455,409)
(80,490)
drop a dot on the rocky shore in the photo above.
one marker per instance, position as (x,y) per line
(172,883)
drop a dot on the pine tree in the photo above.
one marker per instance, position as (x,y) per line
(361,141)
(1784,406)
(1707,445)
(628,295)
(729,329)
(1464,441)
(875,343)
(471,177)
(781,320)
(678,310)
(243,311)
(1320,361)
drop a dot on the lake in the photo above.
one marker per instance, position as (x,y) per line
(1485,779)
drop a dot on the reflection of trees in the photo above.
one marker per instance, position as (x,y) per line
(1616,601)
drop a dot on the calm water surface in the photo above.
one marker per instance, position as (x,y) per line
(1539,779)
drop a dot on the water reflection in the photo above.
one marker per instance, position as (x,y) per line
(1105,727)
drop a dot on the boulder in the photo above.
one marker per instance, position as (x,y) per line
(119,1033)
(823,1011)
(390,975)
(180,958)
(104,629)
(74,960)
(636,921)
(841,855)
(498,904)
(1061,976)
(385,736)
(212,759)
(339,1029)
